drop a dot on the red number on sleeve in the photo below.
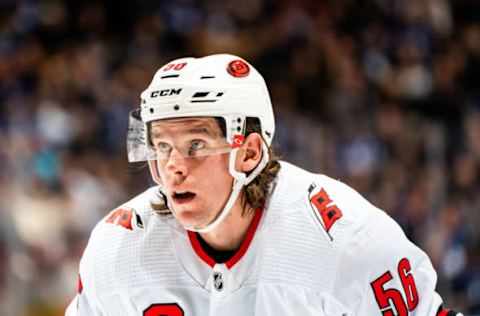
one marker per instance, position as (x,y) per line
(408,283)
(172,309)
(391,301)
(386,298)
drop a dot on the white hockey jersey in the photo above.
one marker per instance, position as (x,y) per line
(317,248)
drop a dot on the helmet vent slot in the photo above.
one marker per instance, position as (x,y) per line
(207,77)
(170,76)
(200,94)
(206,101)
(199,97)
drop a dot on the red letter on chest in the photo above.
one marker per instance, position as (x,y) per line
(329,213)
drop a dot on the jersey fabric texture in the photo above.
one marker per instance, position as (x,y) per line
(316,248)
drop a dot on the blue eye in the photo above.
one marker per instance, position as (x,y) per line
(164,147)
(197,144)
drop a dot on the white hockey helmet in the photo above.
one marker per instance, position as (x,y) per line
(221,85)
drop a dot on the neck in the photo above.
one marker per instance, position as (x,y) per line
(232,230)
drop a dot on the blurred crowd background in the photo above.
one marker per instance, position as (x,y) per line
(381,94)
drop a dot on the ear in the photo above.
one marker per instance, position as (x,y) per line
(250,153)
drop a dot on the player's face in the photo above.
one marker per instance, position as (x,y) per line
(197,187)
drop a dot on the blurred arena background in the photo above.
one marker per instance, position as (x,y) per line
(381,94)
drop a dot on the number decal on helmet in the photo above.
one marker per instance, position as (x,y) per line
(174,66)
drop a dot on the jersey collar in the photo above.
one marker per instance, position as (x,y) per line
(240,252)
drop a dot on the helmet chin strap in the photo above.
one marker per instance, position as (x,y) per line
(240,180)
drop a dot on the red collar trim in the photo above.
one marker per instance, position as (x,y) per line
(199,250)
(240,252)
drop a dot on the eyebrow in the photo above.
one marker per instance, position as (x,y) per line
(192,131)
(201,130)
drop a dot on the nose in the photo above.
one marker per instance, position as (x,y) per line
(176,165)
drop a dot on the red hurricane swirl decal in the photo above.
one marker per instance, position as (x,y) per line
(238,68)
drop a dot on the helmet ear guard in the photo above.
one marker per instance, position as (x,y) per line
(214,86)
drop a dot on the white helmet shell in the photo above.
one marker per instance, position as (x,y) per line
(218,86)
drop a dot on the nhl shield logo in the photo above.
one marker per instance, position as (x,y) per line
(218,281)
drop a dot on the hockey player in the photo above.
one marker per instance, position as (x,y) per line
(230,230)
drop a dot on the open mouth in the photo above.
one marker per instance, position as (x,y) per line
(182,196)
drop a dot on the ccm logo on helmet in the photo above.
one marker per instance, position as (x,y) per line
(166,92)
